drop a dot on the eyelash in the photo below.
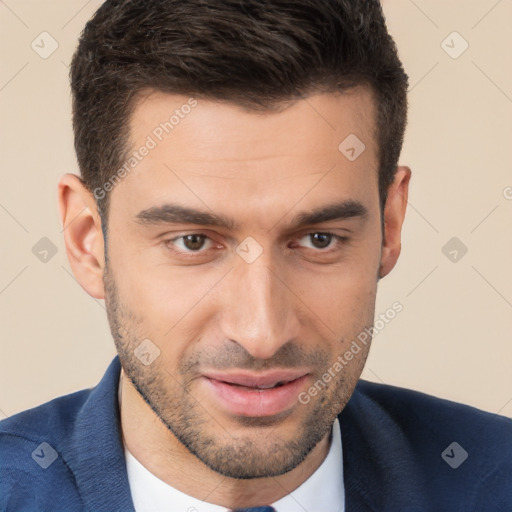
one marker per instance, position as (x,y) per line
(338,238)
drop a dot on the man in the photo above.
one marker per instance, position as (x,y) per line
(239,200)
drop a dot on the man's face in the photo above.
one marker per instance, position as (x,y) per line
(246,314)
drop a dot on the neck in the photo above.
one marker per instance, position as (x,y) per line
(159,451)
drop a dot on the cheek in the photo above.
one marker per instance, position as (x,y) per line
(342,295)
(149,282)
(172,304)
(343,306)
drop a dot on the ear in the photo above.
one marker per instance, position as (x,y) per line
(82,234)
(394,214)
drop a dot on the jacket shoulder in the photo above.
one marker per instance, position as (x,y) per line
(420,412)
(51,417)
(33,447)
(460,456)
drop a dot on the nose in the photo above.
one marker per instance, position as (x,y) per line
(259,310)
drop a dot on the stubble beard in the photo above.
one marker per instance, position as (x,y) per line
(262,454)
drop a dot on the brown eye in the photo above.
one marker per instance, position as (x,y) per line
(194,242)
(320,240)
(190,243)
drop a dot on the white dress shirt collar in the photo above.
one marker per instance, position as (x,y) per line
(323,491)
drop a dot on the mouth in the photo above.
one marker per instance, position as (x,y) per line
(255,395)
(259,387)
(260,381)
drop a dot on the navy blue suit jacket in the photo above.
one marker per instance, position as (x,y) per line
(398,454)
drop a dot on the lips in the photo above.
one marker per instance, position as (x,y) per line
(256,395)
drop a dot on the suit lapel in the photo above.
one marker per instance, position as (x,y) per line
(380,471)
(96,454)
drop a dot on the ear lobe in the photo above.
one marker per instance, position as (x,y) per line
(82,234)
(394,214)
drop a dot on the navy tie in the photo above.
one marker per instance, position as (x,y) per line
(256,509)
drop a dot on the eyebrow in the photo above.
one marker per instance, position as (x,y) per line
(177,214)
(337,211)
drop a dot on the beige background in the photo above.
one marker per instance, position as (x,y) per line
(453,337)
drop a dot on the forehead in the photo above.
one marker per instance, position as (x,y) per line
(217,155)
(210,124)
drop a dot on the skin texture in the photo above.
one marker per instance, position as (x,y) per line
(298,305)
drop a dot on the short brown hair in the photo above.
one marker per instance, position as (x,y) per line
(254,53)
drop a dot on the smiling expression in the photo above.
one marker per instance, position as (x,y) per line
(246,247)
